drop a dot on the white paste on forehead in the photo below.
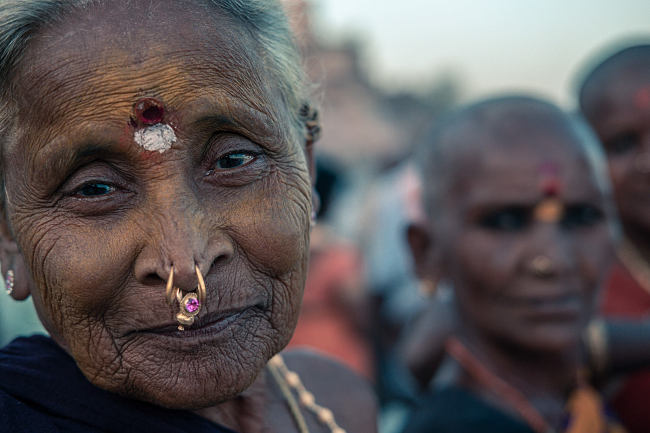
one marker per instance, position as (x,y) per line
(158,137)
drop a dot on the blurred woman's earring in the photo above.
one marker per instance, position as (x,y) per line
(9,282)
(427,287)
(541,266)
(190,304)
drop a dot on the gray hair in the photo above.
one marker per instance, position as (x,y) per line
(21,20)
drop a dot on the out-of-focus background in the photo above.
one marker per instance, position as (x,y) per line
(382,70)
(394,60)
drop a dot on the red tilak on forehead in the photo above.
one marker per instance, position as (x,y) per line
(642,98)
(550,184)
(147,111)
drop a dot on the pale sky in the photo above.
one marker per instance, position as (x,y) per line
(491,45)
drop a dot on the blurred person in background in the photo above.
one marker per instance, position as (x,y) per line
(392,203)
(334,315)
(614,96)
(520,224)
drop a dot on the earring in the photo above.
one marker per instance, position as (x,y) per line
(190,304)
(541,266)
(312,220)
(9,282)
(427,287)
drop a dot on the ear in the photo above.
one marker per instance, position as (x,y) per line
(424,252)
(311,160)
(12,259)
(309,115)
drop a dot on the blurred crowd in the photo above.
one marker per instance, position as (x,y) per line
(486,265)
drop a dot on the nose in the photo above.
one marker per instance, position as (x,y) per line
(550,253)
(183,238)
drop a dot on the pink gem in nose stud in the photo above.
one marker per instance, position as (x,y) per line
(192,305)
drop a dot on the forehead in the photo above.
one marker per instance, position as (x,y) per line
(94,65)
(615,90)
(510,165)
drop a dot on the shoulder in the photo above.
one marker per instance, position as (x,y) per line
(14,414)
(349,396)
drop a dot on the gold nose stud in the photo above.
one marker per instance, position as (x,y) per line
(190,303)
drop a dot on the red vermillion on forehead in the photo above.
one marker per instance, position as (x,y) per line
(550,184)
(642,98)
(147,111)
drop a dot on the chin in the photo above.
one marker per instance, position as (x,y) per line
(187,387)
(552,339)
(153,370)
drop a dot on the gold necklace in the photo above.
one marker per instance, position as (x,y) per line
(635,264)
(287,380)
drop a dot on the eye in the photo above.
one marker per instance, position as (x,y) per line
(94,189)
(234,160)
(581,215)
(622,143)
(513,218)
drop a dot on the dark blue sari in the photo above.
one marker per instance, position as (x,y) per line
(42,390)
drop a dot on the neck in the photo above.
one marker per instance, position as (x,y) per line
(544,379)
(244,413)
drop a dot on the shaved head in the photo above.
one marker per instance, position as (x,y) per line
(615,70)
(456,144)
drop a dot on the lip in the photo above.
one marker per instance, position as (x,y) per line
(567,307)
(209,325)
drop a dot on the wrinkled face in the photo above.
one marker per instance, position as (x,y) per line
(620,116)
(525,240)
(100,219)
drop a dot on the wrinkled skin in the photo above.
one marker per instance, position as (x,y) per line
(100,221)
(483,243)
(618,108)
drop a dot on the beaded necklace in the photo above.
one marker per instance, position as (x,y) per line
(288,380)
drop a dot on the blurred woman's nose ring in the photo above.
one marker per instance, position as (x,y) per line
(190,303)
(541,266)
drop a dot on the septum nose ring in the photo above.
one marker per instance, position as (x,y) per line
(189,304)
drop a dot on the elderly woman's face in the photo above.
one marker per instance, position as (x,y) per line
(100,219)
(526,239)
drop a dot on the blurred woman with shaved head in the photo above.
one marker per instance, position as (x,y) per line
(520,224)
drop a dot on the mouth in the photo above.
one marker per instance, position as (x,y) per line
(209,325)
(564,307)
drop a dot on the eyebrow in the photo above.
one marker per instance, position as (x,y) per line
(224,110)
(60,162)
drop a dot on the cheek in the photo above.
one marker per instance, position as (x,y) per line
(595,253)
(76,281)
(485,264)
(272,230)
(619,168)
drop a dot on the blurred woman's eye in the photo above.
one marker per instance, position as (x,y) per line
(94,189)
(234,160)
(622,143)
(507,219)
(581,215)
